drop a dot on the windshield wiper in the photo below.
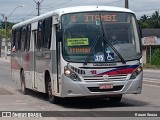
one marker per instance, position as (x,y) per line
(88,56)
(115,50)
(109,44)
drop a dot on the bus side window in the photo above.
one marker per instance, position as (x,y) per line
(17,41)
(13,41)
(23,33)
(27,38)
(40,34)
(44,33)
(48,30)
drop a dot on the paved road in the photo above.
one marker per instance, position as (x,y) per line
(11,99)
(152,74)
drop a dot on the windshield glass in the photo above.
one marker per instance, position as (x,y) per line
(80,32)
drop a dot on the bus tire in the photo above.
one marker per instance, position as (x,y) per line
(52,99)
(23,86)
(115,99)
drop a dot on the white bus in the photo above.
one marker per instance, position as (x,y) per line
(82,51)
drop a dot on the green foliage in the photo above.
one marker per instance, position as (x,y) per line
(9,25)
(2,33)
(2,29)
(149,66)
(156,57)
(152,21)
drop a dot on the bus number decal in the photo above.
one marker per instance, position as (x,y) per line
(99,57)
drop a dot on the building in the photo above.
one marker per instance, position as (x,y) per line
(150,41)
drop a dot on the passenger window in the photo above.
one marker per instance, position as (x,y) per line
(27,38)
(44,33)
(23,35)
(17,39)
(40,35)
(47,33)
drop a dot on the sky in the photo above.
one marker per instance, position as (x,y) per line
(140,7)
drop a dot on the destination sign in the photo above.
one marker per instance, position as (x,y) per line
(90,18)
(78,50)
(106,18)
(95,17)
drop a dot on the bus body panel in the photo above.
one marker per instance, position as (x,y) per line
(72,89)
(89,84)
(37,63)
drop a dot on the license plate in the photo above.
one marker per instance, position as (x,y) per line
(106,86)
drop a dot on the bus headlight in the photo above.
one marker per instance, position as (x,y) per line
(67,72)
(74,77)
(71,74)
(136,72)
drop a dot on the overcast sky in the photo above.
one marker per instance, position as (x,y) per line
(140,7)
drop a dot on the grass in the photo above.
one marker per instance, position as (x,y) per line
(149,66)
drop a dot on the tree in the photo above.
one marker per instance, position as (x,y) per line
(2,29)
(2,33)
(152,21)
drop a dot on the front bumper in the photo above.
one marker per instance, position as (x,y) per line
(72,88)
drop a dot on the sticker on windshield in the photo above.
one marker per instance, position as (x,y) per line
(98,22)
(108,50)
(99,57)
(110,56)
(77,41)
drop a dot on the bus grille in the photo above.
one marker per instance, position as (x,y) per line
(79,71)
(101,79)
(96,89)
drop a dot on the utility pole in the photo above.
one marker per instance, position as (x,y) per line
(38,3)
(5,22)
(126,4)
(0,36)
(5,47)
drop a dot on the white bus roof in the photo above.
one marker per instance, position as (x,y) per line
(66,10)
(91,8)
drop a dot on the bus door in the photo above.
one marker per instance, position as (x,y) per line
(34,41)
(56,71)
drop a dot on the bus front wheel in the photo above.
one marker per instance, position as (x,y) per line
(52,99)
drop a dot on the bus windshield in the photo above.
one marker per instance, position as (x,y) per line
(80,32)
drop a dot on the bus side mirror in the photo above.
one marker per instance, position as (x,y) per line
(59,36)
(140,29)
(58,33)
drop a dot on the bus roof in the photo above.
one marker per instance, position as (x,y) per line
(91,8)
(66,10)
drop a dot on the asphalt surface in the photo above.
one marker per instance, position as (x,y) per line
(11,99)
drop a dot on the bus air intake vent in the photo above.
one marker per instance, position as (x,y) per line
(82,72)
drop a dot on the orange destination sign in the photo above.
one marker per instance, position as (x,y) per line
(79,50)
(91,18)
